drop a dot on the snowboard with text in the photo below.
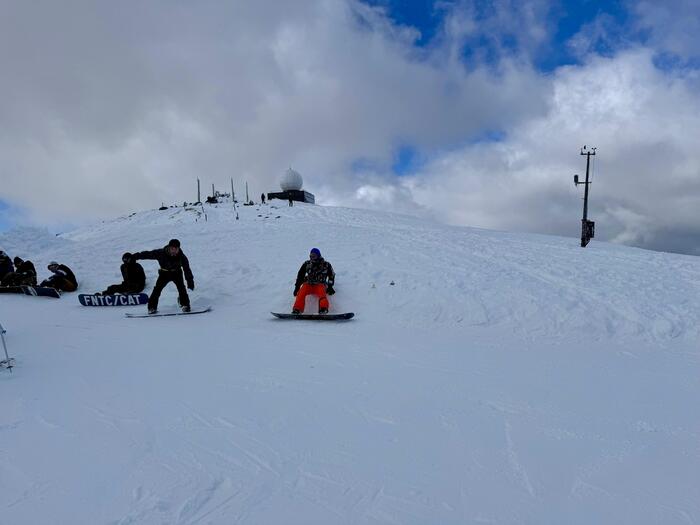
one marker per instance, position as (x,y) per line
(113,300)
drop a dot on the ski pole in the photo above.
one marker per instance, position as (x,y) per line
(7,357)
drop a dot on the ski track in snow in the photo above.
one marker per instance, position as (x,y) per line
(502,378)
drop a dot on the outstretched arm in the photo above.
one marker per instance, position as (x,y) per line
(150,255)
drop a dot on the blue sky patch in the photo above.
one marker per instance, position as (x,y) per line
(406,160)
(420,14)
(564,20)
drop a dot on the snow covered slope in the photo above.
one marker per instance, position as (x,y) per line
(502,378)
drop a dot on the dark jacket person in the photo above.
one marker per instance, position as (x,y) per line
(63,278)
(173,262)
(134,278)
(24,273)
(315,277)
(6,266)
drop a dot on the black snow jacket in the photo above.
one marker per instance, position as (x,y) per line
(66,273)
(134,276)
(168,263)
(319,271)
(6,266)
(27,268)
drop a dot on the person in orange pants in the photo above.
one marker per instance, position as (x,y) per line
(315,277)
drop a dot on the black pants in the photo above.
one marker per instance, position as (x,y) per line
(163,279)
(122,288)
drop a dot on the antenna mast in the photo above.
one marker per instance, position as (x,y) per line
(587,227)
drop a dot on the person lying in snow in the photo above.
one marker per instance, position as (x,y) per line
(315,277)
(133,275)
(63,278)
(172,263)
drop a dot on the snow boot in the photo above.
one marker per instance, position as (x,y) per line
(323,310)
(152,311)
(296,312)
(186,309)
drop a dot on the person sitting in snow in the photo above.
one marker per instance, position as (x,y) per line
(172,263)
(316,277)
(6,266)
(63,278)
(133,275)
(24,274)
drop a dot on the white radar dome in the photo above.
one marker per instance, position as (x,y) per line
(291,180)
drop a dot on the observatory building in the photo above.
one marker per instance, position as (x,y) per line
(291,184)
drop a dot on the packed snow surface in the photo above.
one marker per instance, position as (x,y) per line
(487,377)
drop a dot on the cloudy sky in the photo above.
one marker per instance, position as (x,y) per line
(469,112)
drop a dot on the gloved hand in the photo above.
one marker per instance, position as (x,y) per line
(296,291)
(190,285)
(330,290)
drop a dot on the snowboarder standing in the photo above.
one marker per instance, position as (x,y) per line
(172,263)
(24,274)
(262,198)
(63,278)
(6,266)
(133,275)
(316,277)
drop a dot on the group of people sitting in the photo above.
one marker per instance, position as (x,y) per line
(18,272)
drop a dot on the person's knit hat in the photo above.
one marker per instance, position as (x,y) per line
(174,242)
(316,252)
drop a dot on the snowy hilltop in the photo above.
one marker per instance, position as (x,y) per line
(487,377)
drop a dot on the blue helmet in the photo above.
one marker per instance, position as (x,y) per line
(316,252)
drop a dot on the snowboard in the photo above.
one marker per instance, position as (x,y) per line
(41,291)
(11,289)
(113,300)
(167,314)
(315,317)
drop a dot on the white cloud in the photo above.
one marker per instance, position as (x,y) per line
(111,107)
(673,25)
(647,177)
